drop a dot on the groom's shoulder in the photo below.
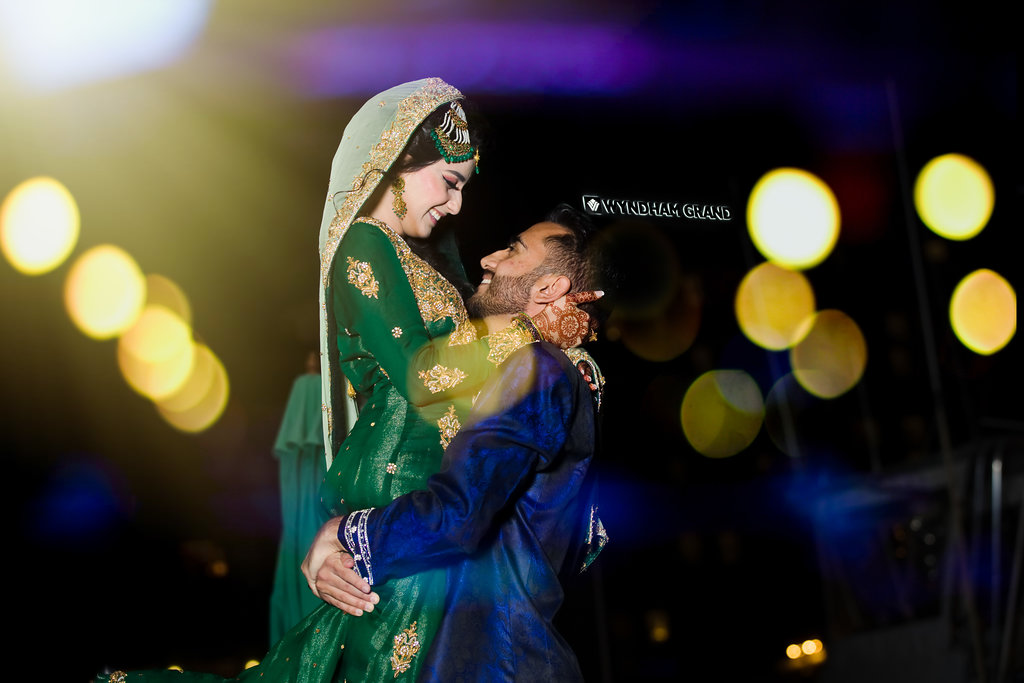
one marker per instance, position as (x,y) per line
(543,361)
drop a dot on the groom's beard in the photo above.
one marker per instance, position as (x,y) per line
(503,295)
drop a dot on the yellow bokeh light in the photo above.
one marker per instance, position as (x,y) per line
(658,626)
(831,358)
(793,651)
(163,291)
(39,224)
(722,413)
(198,383)
(252,663)
(809,647)
(954,196)
(104,292)
(774,306)
(793,218)
(207,410)
(156,354)
(157,335)
(983,312)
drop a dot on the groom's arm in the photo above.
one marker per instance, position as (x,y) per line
(519,424)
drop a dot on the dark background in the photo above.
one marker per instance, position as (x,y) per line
(212,171)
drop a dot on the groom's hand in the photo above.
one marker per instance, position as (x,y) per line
(329,572)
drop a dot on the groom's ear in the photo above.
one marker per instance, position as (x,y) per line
(549,288)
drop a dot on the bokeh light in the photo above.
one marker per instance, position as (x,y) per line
(198,414)
(197,384)
(647,263)
(722,413)
(793,218)
(806,655)
(104,292)
(831,358)
(954,196)
(53,44)
(658,629)
(39,225)
(664,334)
(162,291)
(774,306)
(658,309)
(156,354)
(983,311)
(84,499)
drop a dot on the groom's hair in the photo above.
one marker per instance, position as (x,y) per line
(571,254)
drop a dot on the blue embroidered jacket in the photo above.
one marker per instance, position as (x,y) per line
(511,511)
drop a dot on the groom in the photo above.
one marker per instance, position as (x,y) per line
(513,508)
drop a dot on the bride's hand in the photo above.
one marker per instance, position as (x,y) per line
(564,324)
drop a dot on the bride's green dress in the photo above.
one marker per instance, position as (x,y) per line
(398,332)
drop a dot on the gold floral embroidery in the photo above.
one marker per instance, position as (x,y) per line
(440,378)
(117,677)
(407,645)
(449,426)
(360,274)
(391,468)
(505,341)
(463,334)
(396,332)
(436,297)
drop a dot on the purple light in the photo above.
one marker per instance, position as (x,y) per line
(500,58)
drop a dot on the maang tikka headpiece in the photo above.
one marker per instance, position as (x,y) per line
(451,137)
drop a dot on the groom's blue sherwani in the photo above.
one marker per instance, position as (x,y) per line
(512,510)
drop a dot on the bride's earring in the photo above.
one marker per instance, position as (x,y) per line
(398,206)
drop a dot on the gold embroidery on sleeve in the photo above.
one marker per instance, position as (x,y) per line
(439,378)
(449,426)
(361,276)
(463,334)
(505,341)
(407,645)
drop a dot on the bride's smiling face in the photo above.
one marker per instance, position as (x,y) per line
(430,194)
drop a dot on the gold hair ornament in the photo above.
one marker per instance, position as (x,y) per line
(451,137)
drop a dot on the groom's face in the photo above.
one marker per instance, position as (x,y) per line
(510,274)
